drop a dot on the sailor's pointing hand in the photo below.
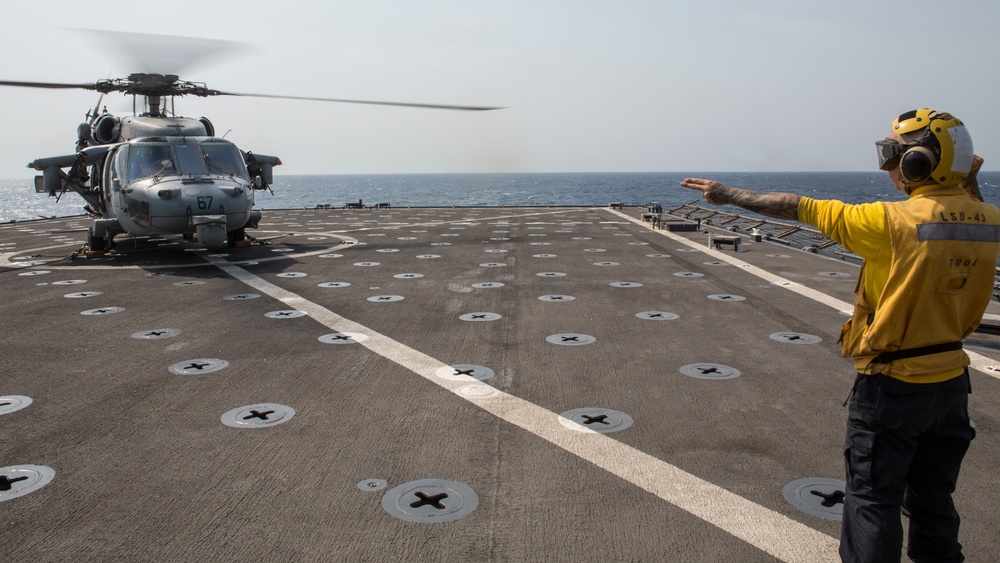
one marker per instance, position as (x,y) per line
(705,187)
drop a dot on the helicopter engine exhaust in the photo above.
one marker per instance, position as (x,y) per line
(106,129)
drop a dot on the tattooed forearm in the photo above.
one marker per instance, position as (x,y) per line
(772,204)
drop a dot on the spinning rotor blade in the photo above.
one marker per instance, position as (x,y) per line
(163,54)
(51,85)
(339,100)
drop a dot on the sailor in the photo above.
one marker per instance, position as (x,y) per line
(928,275)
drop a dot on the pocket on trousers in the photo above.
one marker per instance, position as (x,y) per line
(858,448)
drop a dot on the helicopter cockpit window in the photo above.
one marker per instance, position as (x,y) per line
(190,159)
(147,160)
(225,159)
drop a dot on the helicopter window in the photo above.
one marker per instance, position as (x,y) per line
(189,157)
(223,158)
(149,160)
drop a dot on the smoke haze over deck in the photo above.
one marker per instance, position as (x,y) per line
(588,86)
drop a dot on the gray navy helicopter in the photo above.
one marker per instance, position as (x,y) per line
(155,173)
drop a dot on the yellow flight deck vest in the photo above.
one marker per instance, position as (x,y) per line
(944,256)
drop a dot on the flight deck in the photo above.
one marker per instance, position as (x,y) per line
(437,384)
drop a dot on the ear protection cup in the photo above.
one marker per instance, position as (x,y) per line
(917,164)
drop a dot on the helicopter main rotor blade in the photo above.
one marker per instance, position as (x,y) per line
(51,85)
(369,102)
(162,54)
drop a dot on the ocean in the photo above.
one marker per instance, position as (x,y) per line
(19,202)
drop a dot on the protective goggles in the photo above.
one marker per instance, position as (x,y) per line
(889,153)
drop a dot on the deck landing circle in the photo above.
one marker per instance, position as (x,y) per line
(12,403)
(430,500)
(818,496)
(710,371)
(19,480)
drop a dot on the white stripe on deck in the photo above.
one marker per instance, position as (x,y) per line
(757,525)
(979,362)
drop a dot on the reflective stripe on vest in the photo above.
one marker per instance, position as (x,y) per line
(958,231)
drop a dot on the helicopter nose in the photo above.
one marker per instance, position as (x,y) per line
(211,231)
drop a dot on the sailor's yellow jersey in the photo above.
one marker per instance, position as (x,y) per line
(951,239)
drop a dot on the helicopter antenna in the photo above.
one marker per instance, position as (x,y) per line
(92,115)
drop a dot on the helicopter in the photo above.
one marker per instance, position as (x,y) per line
(156,173)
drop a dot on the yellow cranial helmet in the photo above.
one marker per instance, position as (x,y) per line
(937,147)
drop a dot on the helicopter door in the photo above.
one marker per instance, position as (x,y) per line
(109,179)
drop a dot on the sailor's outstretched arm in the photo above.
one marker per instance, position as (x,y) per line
(773,204)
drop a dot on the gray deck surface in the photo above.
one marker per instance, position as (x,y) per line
(146,470)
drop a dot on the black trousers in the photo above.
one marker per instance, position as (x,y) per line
(905,444)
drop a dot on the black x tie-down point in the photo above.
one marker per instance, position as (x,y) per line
(426,499)
(256,414)
(831,499)
(601,418)
(6,483)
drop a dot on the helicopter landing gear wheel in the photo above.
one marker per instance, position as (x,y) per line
(238,238)
(96,246)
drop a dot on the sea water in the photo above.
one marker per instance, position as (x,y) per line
(19,202)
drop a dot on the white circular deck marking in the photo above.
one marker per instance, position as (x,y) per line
(24,479)
(709,371)
(595,419)
(103,311)
(795,338)
(342,338)
(198,366)
(241,297)
(156,334)
(480,317)
(261,415)
(430,500)
(657,316)
(726,297)
(462,372)
(818,496)
(285,314)
(557,298)
(83,294)
(13,403)
(570,339)
(385,298)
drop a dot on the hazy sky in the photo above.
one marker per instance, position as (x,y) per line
(727,85)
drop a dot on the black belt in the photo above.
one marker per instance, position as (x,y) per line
(887,357)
